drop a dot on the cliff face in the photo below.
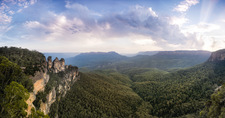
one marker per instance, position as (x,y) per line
(57,77)
(51,98)
(217,56)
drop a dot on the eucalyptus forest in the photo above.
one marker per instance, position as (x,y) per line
(112,91)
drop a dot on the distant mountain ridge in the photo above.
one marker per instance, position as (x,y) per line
(176,52)
(93,59)
(161,60)
(147,53)
(59,55)
(184,52)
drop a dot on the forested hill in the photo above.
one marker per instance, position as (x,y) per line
(31,61)
(162,60)
(170,59)
(95,59)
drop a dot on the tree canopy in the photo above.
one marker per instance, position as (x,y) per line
(13,103)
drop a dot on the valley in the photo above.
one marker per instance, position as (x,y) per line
(167,84)
(112,59)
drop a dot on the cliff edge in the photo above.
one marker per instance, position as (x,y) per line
(217,56)
(51,83)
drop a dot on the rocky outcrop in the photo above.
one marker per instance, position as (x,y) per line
(39,81)
(67,75)
(51,98)
(68,80)
(56,66)
(30,102)
(217,56)
(60,90)
(49,63)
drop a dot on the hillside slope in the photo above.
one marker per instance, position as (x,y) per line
(182,92)
(102,94)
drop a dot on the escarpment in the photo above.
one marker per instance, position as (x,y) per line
(51,83)
(217,56)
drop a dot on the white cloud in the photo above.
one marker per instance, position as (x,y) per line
(138,28)
(152,12)
(135,29)
(106,26)
(8,8)
(11,12)
(142,13)
(81,8)
(33,2)
(178,20)
(201,28)
(205,36)
(144,42)
(185,5)
(33,24)
(5,19)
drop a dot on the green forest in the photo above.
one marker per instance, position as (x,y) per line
(15,83)
(131,92)
(101,94)
(145,92)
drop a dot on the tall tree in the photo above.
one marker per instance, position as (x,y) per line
(14,104)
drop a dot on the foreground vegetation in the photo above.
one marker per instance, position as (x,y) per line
(15,84)
(14,91)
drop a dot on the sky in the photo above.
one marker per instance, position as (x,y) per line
(124,26)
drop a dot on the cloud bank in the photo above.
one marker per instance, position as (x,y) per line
(78,28)
(139,26)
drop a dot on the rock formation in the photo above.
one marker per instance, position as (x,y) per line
(49,63)
(61,89)
(67,76)
(55,66)
(217,56)
(58,65)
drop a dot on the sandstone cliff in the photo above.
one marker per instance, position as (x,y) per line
(53,82)
(217,56)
